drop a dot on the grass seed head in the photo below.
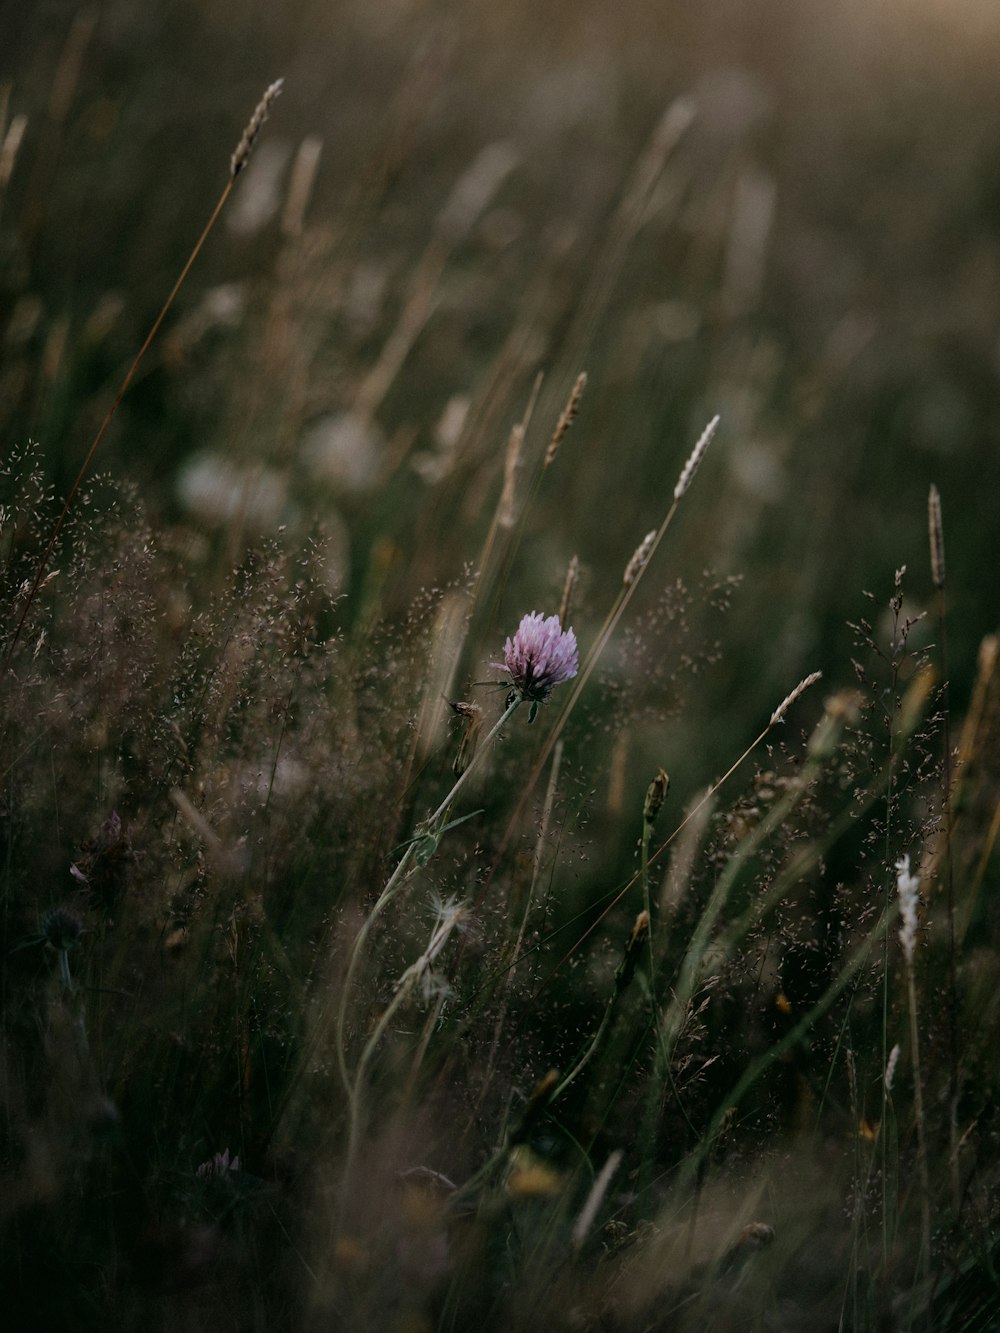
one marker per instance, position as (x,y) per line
(566,419)
(694,461)
(255,124)
(639,557)
(656,794)
(796,694)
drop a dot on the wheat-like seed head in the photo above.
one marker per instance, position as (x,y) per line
(254,125)
(512,462)
(697,454)
(639,557)
(569,587)
(566,418)
(789,699)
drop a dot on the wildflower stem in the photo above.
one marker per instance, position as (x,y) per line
(618,608)
(588,1054)
(392,887)
(505,717)
(356,1091)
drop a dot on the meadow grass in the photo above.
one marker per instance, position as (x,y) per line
(326,1005)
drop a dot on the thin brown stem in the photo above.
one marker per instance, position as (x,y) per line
(109,417)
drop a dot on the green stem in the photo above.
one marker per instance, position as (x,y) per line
(356,1092)
(588,1054)
(395,882)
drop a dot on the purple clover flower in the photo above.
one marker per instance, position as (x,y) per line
(540,656)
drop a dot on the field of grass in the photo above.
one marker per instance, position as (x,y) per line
(356,973)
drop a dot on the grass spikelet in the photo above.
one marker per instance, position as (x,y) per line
(639,557)
(796,694)
(656,794)
(694,461)
(585,1217)
(569,588)
(566,418)
(511,466)
(255,124)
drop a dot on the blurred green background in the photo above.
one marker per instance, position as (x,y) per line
(451,197)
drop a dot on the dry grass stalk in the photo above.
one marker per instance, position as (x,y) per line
(816,753)
(566,418)
(639,558)
(447,642)
(238,162)
(475,188)
(936,535)
(300,185)
(67,76)
(540,842)
(10,146)
(629,216)
(797,693)
(464,206)
(682,860)
(255,124)
(569,587)
(485,575)
(694,461)
(588,1212)
(512,462)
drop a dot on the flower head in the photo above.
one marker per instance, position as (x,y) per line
(62,928)
(540,656)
